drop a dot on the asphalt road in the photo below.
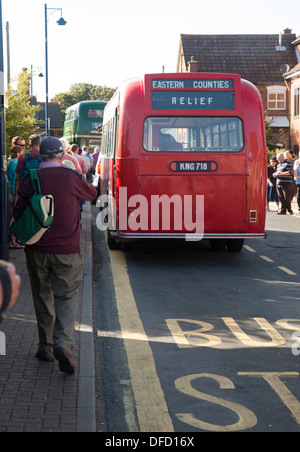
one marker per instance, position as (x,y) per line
(190,340)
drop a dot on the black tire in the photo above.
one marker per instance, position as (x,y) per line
(218,244)
(235,245)
(111,242)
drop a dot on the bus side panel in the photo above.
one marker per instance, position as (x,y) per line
(126,178)
(126,175)
(105,165)
(254,124)
(130,125)
(69,131)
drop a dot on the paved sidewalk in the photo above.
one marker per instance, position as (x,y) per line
(273,207)
(36,396)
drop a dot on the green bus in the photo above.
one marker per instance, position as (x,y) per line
(83,123)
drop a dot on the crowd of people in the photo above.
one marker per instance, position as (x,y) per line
(284,181)
(54,263)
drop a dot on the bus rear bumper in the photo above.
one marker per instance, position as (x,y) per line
(154,235)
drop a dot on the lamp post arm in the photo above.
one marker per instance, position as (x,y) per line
(53,11)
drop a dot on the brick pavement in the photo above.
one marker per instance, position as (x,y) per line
(35,396)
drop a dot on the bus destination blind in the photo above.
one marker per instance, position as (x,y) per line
(193,100)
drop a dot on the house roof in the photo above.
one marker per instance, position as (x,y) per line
(54,111)
(256,58)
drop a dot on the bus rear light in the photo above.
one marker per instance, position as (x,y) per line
(253,216)
(98,169)
(133,214)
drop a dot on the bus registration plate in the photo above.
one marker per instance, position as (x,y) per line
(194,167)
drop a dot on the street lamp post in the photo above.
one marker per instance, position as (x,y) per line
(61,22)
(4,222)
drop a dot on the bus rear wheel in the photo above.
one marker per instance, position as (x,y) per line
(235,245)
(112,242)
(218,244)
(232,245)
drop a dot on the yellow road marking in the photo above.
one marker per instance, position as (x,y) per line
(273,378)
(151,407)
(249,249)
(267,259)
(247,418)
(286,270)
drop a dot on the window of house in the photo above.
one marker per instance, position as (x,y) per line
(276,98)
(296,101)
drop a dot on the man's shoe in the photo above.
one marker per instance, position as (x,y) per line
(41,356)
(64,358)
(281,213)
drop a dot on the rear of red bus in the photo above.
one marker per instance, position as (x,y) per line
(190,160)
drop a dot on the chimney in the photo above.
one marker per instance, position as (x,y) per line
(193,65)
(287,31)
(280,47)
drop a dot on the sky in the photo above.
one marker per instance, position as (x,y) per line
(107,42)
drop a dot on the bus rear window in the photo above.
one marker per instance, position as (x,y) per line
(190,134)
(95,114)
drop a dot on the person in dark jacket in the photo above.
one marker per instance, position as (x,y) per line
(54,263)
(272,195)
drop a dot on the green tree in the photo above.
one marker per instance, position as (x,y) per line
(80,92)
(273,137)
(20,115)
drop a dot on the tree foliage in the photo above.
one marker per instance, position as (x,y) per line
(20,117)
(80,92)
(273,137)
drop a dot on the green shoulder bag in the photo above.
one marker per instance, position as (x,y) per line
(36,217)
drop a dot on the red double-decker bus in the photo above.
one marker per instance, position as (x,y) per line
(184,156)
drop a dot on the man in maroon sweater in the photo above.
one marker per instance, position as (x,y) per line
(54,263)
